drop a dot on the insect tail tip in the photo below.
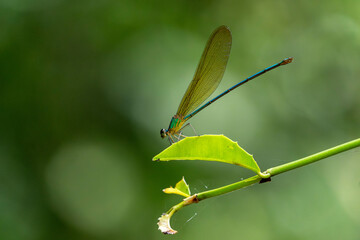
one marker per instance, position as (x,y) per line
(287,60)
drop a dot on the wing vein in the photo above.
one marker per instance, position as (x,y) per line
(209,72)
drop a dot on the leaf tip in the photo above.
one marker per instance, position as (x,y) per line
(168,190)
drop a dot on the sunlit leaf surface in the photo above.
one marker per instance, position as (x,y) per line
(209,148)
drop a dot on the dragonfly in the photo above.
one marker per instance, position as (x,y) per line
(207,78)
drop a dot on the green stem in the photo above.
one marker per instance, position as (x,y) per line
(269,173)
(229,188)
(314,158)
(280,169)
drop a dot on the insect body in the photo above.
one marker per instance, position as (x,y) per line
(207,77)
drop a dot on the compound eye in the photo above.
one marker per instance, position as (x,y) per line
(163,133)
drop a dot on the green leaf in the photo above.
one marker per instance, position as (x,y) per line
(209,148)
(181,188)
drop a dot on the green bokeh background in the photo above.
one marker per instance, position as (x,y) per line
(86,86)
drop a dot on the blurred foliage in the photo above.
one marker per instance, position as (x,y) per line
(86,87)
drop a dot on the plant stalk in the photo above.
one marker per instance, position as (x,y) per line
(314,158)
(255,179)
(280,169)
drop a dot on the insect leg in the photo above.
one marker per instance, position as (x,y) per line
(189,124)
